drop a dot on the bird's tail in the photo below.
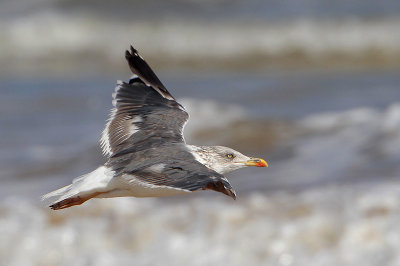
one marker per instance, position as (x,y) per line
(82,189)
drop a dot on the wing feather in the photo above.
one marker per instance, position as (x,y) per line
(187,175)
(145,114)
(140,67)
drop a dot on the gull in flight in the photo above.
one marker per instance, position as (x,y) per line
(147,153)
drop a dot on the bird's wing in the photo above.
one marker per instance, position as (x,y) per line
(144,72)
(145,115)
(187,175)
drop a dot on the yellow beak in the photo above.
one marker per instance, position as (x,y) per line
(256,162)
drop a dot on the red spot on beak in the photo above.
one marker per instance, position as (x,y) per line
(260,164)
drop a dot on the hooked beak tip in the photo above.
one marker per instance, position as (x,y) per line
(258,162)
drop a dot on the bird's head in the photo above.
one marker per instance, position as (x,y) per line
(225,160)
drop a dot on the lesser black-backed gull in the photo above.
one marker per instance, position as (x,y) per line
(147,154)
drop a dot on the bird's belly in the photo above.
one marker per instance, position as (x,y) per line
(130,186)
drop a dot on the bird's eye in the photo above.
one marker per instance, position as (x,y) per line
(230,156)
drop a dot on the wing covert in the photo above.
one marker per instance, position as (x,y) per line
(186,175)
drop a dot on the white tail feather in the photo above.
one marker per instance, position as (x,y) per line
(56,193)
(96,181)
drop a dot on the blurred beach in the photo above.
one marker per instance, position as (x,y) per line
(313,87)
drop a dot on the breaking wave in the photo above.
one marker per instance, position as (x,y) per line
(174,41)
(340,225)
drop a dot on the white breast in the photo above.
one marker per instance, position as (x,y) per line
(130,186)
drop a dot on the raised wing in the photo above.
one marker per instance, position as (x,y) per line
(145,115)
(139,67)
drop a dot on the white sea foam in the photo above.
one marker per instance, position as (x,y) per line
(355,145)
(361,127)
(343,225)
(210,115)
(45,34)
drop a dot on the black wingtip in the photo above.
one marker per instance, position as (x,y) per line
(127,55)
(139,67)
(231,193)
(133,50)
(219,186)
(130,53)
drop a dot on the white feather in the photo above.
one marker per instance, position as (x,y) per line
(104,140)
(97,181)
(157,167)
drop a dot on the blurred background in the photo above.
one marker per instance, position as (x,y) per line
(311,86)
